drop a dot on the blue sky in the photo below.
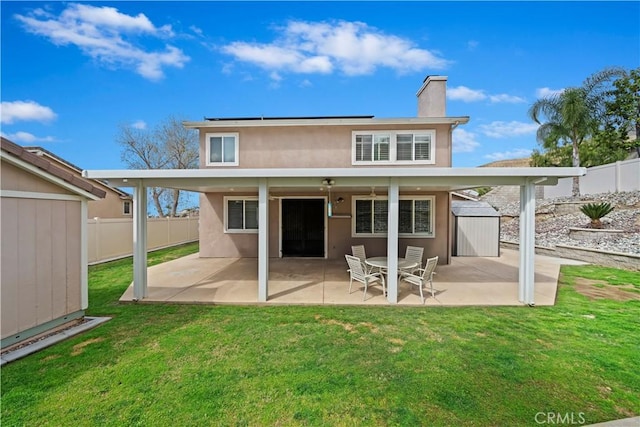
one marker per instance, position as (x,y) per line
(72,72)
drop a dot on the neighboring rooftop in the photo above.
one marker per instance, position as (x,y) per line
(39,151)
(50,168)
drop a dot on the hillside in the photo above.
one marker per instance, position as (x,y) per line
(553,228)
(510,163)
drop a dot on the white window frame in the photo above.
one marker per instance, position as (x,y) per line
(393,147)
(124,207)
(207,144)
(432,224)
(243,230)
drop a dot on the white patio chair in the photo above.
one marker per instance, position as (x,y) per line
(424,275)
(360,253)
(413,254)
(357,272)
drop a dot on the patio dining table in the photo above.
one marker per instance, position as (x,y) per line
(381,262)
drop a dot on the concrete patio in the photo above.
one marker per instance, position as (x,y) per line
(467,281)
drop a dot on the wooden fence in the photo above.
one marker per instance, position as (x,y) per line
(110,239)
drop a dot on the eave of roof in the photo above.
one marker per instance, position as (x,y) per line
(47,167)
(324,121)
(445,179)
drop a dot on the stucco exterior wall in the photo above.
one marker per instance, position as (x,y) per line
(432,97)
(313,146)
(214,242)
(112,206)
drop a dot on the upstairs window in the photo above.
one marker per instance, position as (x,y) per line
(399,147)
(241,215)
(126,207)
(372,147)
(410,146)
(222,149)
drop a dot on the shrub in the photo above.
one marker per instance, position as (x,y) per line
(595,211)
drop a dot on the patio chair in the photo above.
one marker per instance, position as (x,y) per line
(424,275)
(413,254)
(360,253)
(357,272)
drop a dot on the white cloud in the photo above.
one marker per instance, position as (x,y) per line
(499,129)
(463,93)
(102,32)
(139,124)
(518,153)
(472,44)
(196,30)
(352,48)
(11,112)
(509,99)
(464,141)
(27,138)
(545,92)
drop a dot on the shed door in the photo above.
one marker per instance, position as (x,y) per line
(477,236)
(303,227)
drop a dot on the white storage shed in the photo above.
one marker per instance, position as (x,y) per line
(476,229)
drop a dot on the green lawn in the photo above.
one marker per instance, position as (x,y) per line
(180,365)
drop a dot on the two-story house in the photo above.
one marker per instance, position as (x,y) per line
(315,186)
(323,217)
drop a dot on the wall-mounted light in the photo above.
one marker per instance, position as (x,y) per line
(329,182)
(339,200)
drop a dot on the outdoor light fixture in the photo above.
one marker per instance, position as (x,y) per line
(329,182)
(339,200)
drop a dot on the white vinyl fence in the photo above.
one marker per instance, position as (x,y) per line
(611,178)
(113,238)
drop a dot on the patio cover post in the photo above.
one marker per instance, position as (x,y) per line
(263,240)
(139,241)
(527,240)
(392,241)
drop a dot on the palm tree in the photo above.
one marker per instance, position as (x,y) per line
(572,116)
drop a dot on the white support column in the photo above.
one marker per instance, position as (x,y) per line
(139,241)
(526,286)
(263,240)
(521,245)
(84,256)
(392,241)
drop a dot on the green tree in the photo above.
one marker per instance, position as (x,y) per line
(571,117)
(622,113)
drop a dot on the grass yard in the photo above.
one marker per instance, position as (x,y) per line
(181,365)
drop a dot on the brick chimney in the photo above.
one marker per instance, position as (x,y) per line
(432,97)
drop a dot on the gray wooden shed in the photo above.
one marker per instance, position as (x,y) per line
(476,228)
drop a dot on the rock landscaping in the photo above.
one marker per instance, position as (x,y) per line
(553,227)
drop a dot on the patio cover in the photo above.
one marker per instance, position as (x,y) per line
(394,179)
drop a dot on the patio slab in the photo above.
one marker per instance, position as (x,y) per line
(467,281)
